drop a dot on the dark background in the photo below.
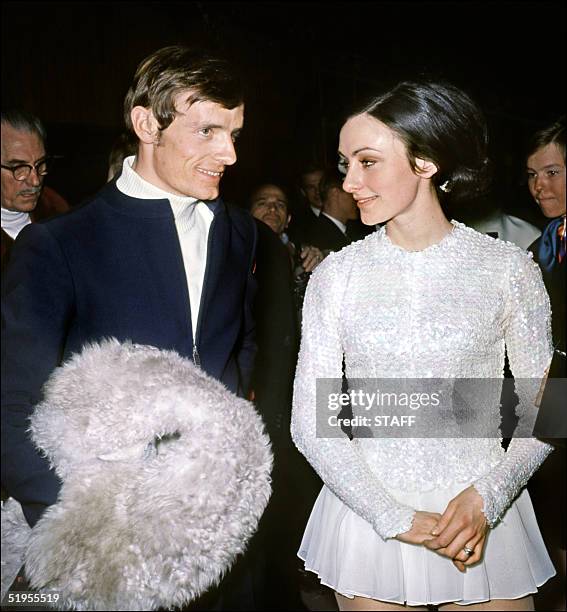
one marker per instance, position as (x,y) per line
(72,62)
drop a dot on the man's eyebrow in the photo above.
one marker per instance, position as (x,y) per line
(25,161)
(204,124)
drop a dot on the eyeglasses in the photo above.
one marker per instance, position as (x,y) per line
(21,172)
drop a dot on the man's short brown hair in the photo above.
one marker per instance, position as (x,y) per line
(171,70)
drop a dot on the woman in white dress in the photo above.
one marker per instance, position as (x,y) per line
(432,521)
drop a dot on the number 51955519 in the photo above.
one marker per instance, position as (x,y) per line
(25,598)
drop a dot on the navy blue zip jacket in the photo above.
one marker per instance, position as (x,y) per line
(113,268)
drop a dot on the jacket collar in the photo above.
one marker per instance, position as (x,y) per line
(146,209)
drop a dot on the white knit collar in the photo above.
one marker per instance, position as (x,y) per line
(133,185)
(14,221)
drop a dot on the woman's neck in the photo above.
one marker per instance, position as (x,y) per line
(422,226)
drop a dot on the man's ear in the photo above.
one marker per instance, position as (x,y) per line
(287,222)
(425,167)
(145,124)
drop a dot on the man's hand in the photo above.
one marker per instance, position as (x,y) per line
(462,528)
(311,257)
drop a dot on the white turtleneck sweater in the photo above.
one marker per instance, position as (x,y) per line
(14,221)
(193,220)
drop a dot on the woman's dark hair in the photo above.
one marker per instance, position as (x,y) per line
(552,134)
(440,123)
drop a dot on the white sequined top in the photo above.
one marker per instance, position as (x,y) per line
(447,311)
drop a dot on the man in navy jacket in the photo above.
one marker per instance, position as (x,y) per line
(155,257)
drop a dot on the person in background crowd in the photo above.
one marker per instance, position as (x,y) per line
(124,146)
(310,184)
(545,169)
(272,382)
(24,167)
(329,231)
(309,204)
(269,203)
(277,312)
(546,182)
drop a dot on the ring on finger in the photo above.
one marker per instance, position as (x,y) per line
(468,551)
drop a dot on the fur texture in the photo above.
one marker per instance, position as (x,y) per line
(165,476)
(15,534)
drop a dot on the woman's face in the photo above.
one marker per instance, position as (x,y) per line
(378,173)
(546,179)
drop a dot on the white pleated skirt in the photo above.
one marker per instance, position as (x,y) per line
(351,558)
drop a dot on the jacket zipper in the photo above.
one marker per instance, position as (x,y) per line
(196,357)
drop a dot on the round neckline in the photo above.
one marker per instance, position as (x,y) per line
(447,238)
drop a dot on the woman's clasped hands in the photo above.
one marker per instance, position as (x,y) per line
(459,533)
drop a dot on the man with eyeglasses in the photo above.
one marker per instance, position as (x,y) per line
(24,166)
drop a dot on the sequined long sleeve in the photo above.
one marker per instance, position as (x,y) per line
(338,461)
(529,347)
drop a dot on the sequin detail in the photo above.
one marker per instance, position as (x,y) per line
(448,311)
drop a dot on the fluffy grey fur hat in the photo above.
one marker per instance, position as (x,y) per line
(165,476)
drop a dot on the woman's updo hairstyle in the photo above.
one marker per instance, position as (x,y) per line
(440,123)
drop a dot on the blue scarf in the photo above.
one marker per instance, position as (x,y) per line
(552,244)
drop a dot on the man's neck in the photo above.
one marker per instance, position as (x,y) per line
(133,184)
(9,215)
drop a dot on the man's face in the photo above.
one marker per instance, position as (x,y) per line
(191,154)
(269,204)
(20,147)
(546,179)
(310,187)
